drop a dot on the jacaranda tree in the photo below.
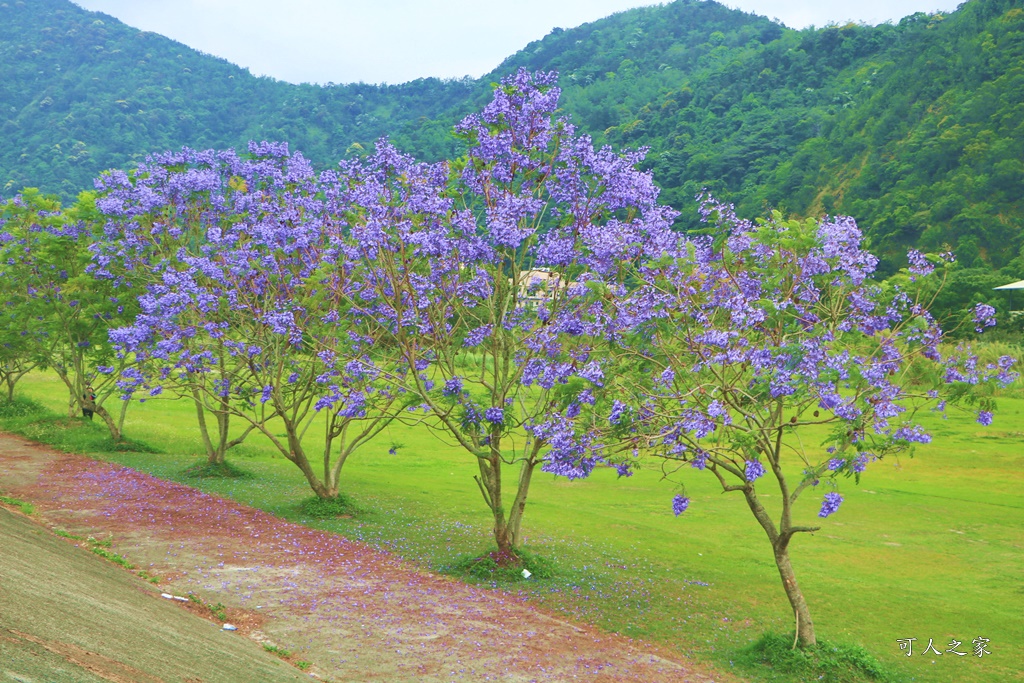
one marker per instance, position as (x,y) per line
(739,353)
(153,223)
(241,304)
(480,272)
(57,310)
(17,346)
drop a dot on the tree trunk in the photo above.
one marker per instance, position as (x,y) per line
(74,392)
(506,527)
(204,432)
(216,450)
(490,471)
(121,415)
(10,379)
(804,625)
(515,518)
(297,455)
(314,482)
(780,545)
(223,424)
(490,486)
(108,420)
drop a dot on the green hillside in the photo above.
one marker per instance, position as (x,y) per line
(83,92)
(914,128)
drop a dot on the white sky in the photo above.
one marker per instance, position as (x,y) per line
(394,41)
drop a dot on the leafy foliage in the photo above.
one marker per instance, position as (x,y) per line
(58,314)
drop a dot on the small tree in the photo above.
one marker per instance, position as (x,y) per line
(241,303)
(16,346)
(481,275)
(153,226)
(56,304)
(739,345)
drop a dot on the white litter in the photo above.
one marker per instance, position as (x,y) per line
(167,595)
(526,574)
(229,627)
(173,597)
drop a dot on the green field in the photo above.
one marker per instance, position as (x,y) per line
(929,547)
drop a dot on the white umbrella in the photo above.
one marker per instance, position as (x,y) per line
(1013,285)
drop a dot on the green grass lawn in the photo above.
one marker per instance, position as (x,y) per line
(926,547)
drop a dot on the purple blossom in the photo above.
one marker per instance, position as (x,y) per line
(984,316)
(716,410)
(570,454)
(753,470)
(915,434)
(354,406)
(495,415)
(679,504)
(592,372)
(452,387)
(919,263)
(624,469)
(471,416)
(984,417)
(477,336)
(830,504)
(698,423)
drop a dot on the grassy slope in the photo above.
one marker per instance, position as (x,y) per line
(69,616)
(930,548)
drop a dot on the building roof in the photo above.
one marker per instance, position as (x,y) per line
(1013,285)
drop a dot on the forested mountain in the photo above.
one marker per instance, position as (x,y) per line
(83,92)
(916,129)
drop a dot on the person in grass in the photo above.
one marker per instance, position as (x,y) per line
(88,402)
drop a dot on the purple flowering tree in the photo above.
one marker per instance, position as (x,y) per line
(58,313)
(152,221)
(731,347)
(242,304)
(483,275)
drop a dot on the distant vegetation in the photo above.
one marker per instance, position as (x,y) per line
(916,129)
(83,92)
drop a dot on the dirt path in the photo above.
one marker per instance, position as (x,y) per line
(354,612)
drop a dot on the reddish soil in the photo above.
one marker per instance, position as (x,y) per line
(352,611)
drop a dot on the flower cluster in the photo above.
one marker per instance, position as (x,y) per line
(830,504)
(679,504)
